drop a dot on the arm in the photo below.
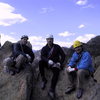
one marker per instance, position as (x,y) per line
(44,54)
(73,60)
(17,50)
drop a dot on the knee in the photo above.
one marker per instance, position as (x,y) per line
(80,72)
(21,58)
(7,62)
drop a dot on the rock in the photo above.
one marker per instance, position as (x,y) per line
(19,86)
(26,84)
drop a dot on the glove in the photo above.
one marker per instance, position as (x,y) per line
(50,62)
(28,57)
(69,69)
(57,65)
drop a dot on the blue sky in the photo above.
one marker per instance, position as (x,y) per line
(67,20)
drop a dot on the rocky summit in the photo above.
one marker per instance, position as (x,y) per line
(26,84)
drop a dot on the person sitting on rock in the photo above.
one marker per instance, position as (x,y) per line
(21,54)
(80,66)
(52,57)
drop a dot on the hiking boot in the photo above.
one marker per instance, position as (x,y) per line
(79,93)
(69,90)
(51,94)
(43,84)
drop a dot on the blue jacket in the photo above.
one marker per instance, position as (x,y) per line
(82,61)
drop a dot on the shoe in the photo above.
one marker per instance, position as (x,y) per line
(69,90)
(79,93)
(43,84)
(51,95)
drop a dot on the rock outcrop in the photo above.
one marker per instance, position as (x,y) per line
(19,86)
(26,84)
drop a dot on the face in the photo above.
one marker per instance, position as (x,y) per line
(24,41)
(78,49)
(49,41)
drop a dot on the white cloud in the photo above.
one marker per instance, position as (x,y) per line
(7,15)
(81,26)
(46,10)
(66,33)
(85,38)
(81,2)
(89,6)
(38,42)
(64,44)
(5,38)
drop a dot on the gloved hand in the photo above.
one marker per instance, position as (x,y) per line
(50,62)
(57,65)
(69,69)
(28,57)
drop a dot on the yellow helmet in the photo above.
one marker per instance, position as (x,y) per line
(77,44)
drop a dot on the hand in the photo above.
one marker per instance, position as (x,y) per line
(28,57)
(69,69)
(50,62)
(57,65)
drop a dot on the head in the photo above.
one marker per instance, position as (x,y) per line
(24,39)
(77,47)
(50,39)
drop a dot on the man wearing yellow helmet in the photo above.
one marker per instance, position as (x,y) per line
(78,68)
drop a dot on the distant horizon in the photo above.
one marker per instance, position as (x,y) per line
(46,43)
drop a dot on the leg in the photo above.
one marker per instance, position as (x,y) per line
(54,80)
(81,79)
(42,65)
(71,78)
(20,60)
(8,65)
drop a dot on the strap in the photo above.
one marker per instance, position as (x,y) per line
(51,52)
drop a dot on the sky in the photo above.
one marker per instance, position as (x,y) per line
(66,20)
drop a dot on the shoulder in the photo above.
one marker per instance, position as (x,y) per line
(56,45)
(86,53)
(75,54)
(16,44)
(44,47)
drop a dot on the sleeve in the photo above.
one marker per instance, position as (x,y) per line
(17,49)
(73,59)
(44,54)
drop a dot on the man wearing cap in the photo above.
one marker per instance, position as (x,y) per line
(52,56)
(80,67)
(21,54)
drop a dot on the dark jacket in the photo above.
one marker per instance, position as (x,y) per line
(22,49)
(57,54)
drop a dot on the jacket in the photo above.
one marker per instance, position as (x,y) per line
(22,49)
(57,54)
(82,61)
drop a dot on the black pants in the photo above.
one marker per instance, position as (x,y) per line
(42,65)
